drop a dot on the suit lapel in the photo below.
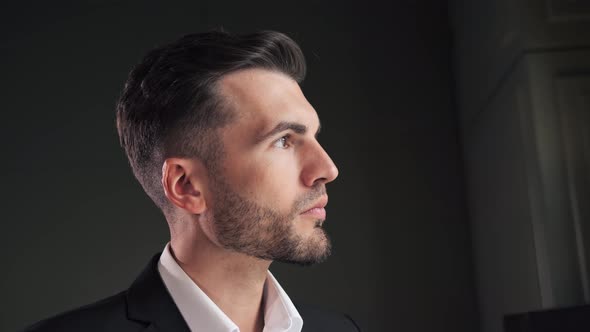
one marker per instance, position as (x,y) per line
(148,301)
(151,328)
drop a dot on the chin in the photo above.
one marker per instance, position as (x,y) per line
(310,258)
(318,246)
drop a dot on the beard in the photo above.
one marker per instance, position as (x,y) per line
(244,226)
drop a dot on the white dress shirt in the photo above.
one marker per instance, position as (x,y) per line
(203,315)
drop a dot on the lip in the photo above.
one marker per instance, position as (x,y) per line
(318,209)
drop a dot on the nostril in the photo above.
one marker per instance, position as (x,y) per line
(319,181)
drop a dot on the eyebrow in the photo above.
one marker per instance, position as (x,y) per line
(286,125)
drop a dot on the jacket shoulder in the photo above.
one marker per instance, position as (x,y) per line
(109,314)
(318,319)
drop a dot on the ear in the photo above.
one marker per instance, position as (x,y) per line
(184,181)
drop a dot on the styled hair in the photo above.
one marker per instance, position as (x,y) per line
(170,105)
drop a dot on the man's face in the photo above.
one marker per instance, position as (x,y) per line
(269,191)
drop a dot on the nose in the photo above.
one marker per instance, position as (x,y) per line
(318,167)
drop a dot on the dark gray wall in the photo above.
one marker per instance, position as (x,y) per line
(522,70)
(77,227)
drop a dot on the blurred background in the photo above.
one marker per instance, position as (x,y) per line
(460,129)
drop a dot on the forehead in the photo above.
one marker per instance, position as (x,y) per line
(261,98)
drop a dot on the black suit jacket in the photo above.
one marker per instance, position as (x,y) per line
(148,307)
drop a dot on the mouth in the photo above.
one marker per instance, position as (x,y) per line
(317,210)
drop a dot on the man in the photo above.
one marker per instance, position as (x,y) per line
(222,139)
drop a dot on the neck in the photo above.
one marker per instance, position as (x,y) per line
(233,281)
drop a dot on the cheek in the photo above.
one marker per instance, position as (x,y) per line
(272,182)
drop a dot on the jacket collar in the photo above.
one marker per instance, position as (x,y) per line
(148,301)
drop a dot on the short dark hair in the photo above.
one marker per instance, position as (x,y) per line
(170,106)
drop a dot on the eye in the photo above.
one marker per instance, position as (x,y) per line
(282,143)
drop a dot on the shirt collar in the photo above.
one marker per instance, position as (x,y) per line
(279,312)
(202,314)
